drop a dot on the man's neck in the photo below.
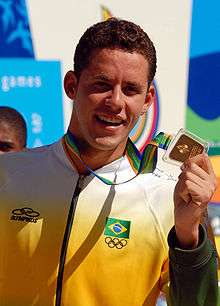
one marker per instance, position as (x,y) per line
(96,159)
(92,157)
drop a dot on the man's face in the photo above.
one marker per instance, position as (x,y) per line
(109,97)
(8,140)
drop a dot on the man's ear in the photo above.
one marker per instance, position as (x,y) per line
(149,99)
(70,84)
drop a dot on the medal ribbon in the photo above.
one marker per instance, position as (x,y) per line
(140,162)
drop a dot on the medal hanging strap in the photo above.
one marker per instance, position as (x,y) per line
(140,163)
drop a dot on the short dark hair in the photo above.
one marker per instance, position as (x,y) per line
(114,33)
(15,120)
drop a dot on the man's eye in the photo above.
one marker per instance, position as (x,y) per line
(5,147)
(102,86)
(130,90)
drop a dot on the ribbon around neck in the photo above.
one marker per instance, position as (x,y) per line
(140,162)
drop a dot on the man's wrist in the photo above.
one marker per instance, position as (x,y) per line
(187,239)
(192,257)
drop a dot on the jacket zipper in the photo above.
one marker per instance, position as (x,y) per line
(66,237)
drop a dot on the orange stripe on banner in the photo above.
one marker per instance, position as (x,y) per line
(216,165)
(216,196)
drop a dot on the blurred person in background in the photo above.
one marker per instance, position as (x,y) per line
(13,130)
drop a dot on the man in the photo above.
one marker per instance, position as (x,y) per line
(85,220)
(13,130)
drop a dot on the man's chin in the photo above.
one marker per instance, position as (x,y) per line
(110,143)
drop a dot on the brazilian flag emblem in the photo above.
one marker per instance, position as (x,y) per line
(117,228)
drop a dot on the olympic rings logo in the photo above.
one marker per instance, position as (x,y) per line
(115,242)
(29,212)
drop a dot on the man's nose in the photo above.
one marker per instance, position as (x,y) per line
(115,100)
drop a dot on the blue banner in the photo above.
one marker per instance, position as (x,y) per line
(15,36)
(34,89)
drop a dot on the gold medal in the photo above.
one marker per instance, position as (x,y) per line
(183,146)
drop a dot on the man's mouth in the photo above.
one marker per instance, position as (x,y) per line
(110,121)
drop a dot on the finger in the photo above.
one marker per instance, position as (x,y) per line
(210,179)
(202,161)
(182,192)
(185,196)
(190,176)
(201,206)
(198,204)
(194,188)
(197,193)
(196,170)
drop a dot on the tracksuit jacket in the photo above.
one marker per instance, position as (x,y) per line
(71,240)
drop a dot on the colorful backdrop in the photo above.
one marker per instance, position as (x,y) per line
(203,99)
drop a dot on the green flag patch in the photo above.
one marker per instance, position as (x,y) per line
(117,228)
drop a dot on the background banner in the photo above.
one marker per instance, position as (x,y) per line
(34,89)
(203,102)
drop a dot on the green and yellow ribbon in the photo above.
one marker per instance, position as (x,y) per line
(140,162)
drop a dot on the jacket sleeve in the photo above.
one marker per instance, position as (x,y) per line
(192,273)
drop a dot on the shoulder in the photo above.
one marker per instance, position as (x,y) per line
(25,161)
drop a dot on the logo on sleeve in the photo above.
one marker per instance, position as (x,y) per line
(117,232)
(25,214)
